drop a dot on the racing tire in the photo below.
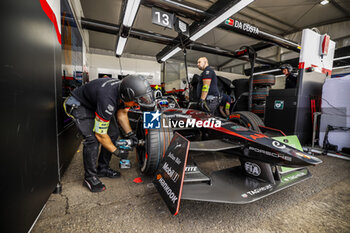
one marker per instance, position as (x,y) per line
(247,119)
(264,80)
(152,152)
(260,93)
(258,108)
(241,86)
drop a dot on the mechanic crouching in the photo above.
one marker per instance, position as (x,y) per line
(207,88)
(225,106)
(95,108)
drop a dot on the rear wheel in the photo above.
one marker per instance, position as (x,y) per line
(247,119)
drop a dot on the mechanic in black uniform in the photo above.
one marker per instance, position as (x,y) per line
(207,88)
(225,105)
(94,108)
(291,77)
(162,85)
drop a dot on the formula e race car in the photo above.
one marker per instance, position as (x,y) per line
(176,140)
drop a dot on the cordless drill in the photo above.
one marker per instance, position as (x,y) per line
(124,146)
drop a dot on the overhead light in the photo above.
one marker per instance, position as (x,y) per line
(130,12)
(231,11)
(341,67)
(131,9)
(267,71)
(341,58)
(120,45)
(170,54)
(324,2)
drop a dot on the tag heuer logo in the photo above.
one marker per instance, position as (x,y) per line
(279,104)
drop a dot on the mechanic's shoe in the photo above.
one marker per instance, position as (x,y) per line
(108,172)
(94,184)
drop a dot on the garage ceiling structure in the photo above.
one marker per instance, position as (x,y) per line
(283,18)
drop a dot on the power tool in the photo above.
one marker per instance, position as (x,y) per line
(124,146)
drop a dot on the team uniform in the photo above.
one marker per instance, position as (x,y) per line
(93,107)
(225,102)
(213,97)
(291,80)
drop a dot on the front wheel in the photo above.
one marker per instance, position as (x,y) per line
(156,143)
(247,119)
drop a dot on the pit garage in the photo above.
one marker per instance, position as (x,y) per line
(176,115)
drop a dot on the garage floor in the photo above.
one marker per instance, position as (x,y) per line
(320,204)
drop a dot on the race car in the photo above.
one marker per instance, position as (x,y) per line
(175,139)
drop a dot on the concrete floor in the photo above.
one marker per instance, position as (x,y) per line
(320,204)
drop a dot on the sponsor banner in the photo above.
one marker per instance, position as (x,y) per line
(171,172)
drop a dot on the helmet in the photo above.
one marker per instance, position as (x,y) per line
(286,66)
(136,88)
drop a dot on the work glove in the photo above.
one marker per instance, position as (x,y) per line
(203,105)
(132,136)
(122,154)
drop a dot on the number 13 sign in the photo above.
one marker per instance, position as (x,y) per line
(162,18)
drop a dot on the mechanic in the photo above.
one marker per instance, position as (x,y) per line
(291,77)
(207,88)
(94,108)
(225,103)
(162,85)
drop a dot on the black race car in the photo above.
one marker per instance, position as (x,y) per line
(172,152)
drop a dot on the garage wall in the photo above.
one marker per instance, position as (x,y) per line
(30,65)
(176,74)
(111,65)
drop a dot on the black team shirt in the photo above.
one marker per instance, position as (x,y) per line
(101,96)
(208,73)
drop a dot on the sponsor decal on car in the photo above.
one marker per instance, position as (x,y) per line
(175,159)
(294,176)
(252,168)
(278,145)
(256,191)
(171,172)
(191,169)
(172,196)
(177,146)
(300,154)
(270,153)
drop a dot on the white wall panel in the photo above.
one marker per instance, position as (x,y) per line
(111,65)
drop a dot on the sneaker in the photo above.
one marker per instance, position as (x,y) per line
(108,172)
(94,184)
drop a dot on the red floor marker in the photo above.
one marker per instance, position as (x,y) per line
(138,180)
